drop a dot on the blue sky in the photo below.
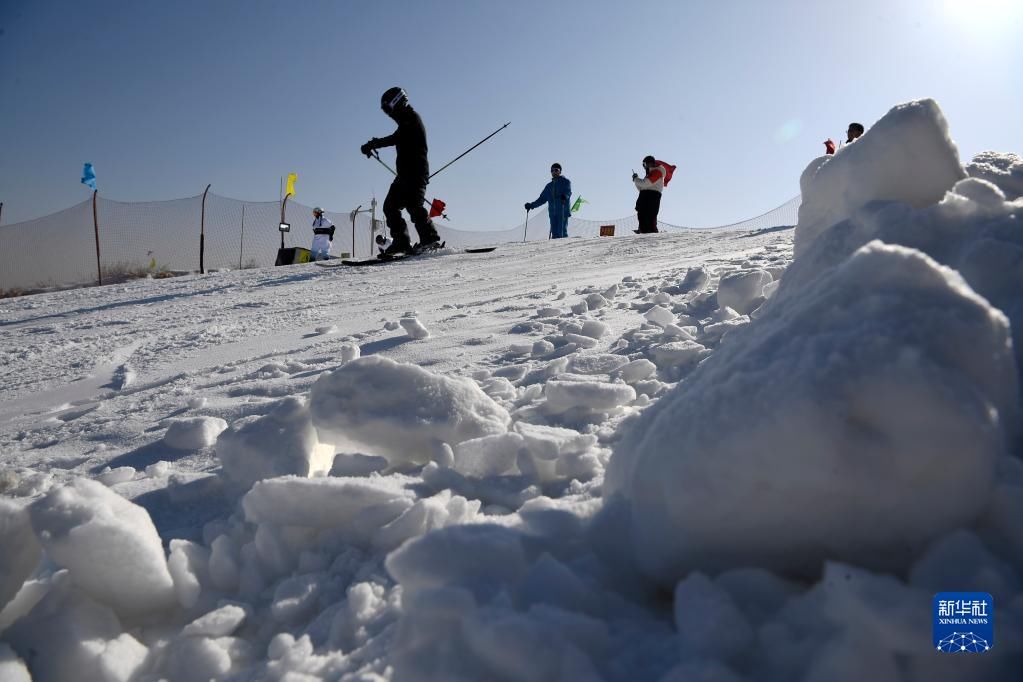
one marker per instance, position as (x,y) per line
(165,97)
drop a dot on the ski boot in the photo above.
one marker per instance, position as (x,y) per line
(398,249)
(427,247)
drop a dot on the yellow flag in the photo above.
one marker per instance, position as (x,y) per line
(292,177)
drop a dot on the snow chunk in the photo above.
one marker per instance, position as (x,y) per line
(660,316)
(414,328)
(596,301)
(20,550)
(217,623)
(637,370)
(695,281)
(69,636)
(109,477)
(489,455)
(367,504)
(279,443)
(893,364)
(194,433)
(398,410)
(907,156)
(743,291)
(188,564)
(579,341)
(552,442)
(594,329)
(589,395)
(349,352)
(443,509)
(109,545)
(438,559)
(158,469)
(595,364)
(678,354)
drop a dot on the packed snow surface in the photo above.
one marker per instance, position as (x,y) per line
(701,456)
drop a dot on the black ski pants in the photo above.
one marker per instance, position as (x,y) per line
(411,197)
(647,206)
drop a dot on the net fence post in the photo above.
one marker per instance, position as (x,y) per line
(241,244)
(202,233)
(95,225)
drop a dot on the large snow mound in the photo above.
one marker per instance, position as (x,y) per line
(400,411)
(906,156)
(973,229)
(827,429)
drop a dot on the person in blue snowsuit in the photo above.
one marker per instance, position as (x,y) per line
(556,195)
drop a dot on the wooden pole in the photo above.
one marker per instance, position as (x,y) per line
(202,233)
(95,225)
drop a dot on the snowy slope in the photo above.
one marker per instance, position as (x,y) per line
(641,458)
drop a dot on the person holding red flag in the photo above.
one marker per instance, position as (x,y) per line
(650,186)
(408,191)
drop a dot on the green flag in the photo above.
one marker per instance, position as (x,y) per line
(578,203)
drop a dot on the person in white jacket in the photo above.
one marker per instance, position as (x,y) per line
(323,235)
(650,186)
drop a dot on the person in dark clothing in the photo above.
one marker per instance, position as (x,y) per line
(556,195)
(853,133)
(650,186)
(408,191)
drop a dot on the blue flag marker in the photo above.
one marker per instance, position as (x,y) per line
(89,176)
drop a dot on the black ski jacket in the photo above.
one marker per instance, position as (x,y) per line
(409,141)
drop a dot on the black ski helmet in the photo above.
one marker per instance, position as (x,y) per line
(392,99)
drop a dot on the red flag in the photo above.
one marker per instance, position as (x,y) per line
(437,208)
(829,146)
(668,171)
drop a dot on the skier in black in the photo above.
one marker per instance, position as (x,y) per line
(408,191)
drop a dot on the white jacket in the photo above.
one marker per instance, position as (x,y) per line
(656,178)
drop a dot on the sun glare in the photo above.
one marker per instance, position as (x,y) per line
(985,18)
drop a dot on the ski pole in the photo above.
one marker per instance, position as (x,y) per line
(525,227)
(470,148)
(425,200)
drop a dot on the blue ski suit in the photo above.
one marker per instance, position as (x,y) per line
(556,195)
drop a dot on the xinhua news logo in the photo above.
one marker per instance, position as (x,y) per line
(964,622)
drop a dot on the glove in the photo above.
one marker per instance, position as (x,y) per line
(635,177)
(528,206)
(368,148)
